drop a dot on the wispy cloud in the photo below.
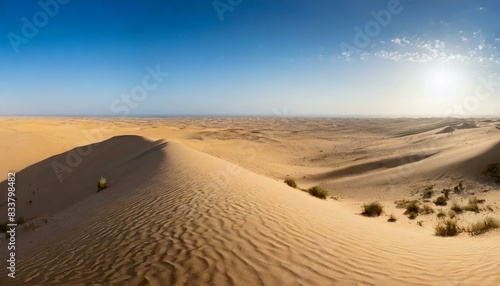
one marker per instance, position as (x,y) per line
(466,48)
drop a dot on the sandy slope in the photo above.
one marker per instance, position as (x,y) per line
(176,216)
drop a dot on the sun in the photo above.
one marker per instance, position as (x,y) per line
(442,80)
(444,84)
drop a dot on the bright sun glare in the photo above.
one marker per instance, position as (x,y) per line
(444,84)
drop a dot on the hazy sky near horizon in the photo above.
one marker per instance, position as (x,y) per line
(244,57)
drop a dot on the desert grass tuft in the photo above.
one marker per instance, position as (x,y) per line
(441,201)
(426,209)
(372,209)
(483,226)
(412,210)
(101,184)
(441,214)
(428,192)
(291,183)
(447,228)
(318,192)
(392,218)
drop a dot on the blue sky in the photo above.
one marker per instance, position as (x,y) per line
(232,57)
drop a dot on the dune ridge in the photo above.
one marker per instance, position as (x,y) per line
(164,226)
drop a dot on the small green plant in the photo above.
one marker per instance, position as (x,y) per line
(471,207)
(457,208)
(402,204)
(21,220)
(428,192)
(447,228)
(493,171)
(392,218)
(291,183)
(318,192)
(476,201)
(426,209)
(441,214)
(45,220)
(412,207)
(441,201)
(101,184)
(412,216)
(372,209)
(483,226)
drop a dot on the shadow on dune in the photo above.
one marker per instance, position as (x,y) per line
(477,164)
(60,181)
(371,166)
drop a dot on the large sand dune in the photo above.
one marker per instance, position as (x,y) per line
(176,216)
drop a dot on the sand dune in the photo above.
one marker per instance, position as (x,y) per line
(176,216)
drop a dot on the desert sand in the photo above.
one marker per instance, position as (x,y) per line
(201,201)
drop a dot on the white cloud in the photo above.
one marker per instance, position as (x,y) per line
(396,41)
(474,49)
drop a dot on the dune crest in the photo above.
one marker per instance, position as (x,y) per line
(175,226)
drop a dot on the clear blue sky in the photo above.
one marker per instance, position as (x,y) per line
(232,57)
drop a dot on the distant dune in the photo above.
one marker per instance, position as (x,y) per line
(173,215)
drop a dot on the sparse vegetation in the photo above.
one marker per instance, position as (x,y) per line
(441,201)
(477,201)
(458,189)
(471,207)
(101,184)
(426,209)
(403,204)
(428,192)
(413,216)
(412,207)
(372,209)
(493,171)
(457,208)
(483,226)
(447,228)
(441,214)
(392,218)
(45,220)
(318,192)
(291,183)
